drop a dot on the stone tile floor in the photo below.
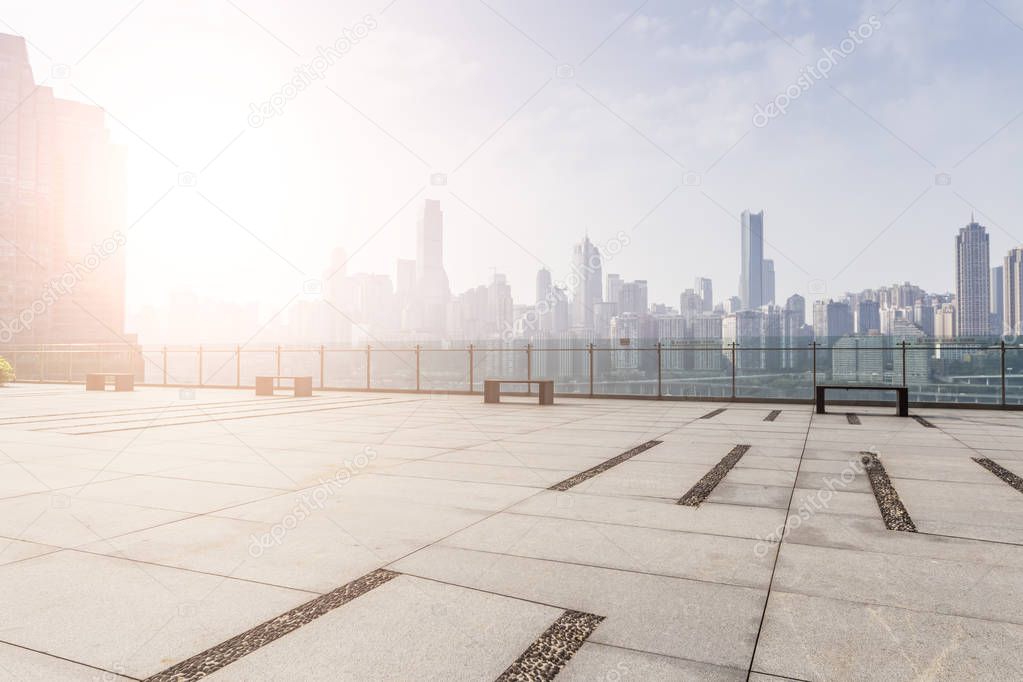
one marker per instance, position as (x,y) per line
(146,534)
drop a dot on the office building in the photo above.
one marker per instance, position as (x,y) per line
(973,280)
(751,279)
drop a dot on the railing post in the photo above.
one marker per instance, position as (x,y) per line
(238,366)
(1002,349)
(813,347)
(200,364)
(529,367)
(903,344)
(472,369)
(590,348)
(277,359)
(734,344)
(323,353)
(659,369)
(42,364)
(71,366)
(165,365)
(418,349)
(368,360)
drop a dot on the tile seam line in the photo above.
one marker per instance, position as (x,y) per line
(1018,624)
(671,656)
(777,554)
(625,525)
(69,660)
(607,568)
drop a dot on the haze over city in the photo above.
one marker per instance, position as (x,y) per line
(547,124)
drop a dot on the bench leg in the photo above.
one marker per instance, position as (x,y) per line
(125,383)
(95,382)
(546,394)
(491,392)
(264,385)
(819,399)
(303,387)
(902,400)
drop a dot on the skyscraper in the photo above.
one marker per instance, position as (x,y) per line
(997,302)
(432,290)
(973,285)
(613,291)
(768,289)
(61,213)
(1012,296)
(831,321)
(633,297)
(705,288)
(868,317)
(751,279)
(587,270)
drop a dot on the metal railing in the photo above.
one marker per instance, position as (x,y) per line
(946,372)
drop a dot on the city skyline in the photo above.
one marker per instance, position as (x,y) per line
(881,198)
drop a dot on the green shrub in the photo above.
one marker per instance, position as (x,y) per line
(6,371)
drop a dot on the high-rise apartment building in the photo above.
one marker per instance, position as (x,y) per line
(705,288)
(973,280)
(613,290)
(868,317)
(997,299)
(1012,294)
(831,321)
(633,297)
(587,271)
(768,288)
(751,279)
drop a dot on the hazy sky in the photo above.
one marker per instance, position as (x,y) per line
(649,129)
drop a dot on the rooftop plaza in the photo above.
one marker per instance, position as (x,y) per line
(175,535)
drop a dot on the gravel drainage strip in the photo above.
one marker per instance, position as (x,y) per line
(1001,472)
(772,415)
(705,486)
(852,418)
(546,656)
(892,510)
(603,466)
(713,413)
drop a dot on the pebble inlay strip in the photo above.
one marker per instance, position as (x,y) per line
(211,660)
(892,510)
(603,466)
(705,486)
(852,418)
(924,422)
(546,656)
(713,413)
(1001,472)
(772,415)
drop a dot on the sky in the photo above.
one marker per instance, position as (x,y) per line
(549,121)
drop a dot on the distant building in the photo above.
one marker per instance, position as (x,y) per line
(997,300)
(634,297)
(587,271)
(831,321)
(1012,295)
(868,317)
(613,293)
(973,280)
(768,289)
(705,288)
(751,278)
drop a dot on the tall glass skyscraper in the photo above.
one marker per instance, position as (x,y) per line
(973,283)
(751,281)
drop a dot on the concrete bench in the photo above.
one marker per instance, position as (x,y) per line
(492,389)
(98,381)
(303,385)
(901,395)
